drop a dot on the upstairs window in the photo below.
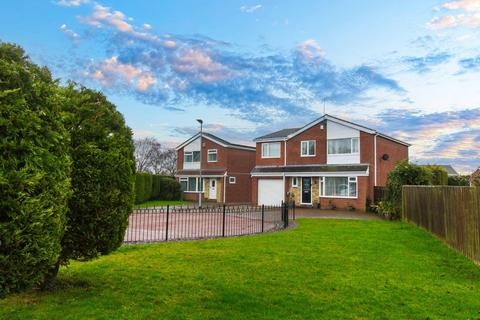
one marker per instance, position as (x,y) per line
(343,146)
(192,156)
(271,150)
(307,148)
(212,155)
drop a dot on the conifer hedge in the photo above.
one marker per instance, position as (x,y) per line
(34,171)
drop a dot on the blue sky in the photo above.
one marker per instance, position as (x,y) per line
(408,68)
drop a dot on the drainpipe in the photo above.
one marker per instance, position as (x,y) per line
(285,164)
(375,158)
(225,186)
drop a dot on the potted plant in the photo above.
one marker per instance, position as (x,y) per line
(316,204)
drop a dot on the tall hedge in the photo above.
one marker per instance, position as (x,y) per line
(405,173)
(156,187)
(459,181)
(103,175)
(34,171)
(439,175)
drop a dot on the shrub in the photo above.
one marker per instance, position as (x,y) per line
(34,171)
(147,186)
(156,187)
(459,181)
(139,188)
(170,189)
(404,174)
(439,175)
(103,175)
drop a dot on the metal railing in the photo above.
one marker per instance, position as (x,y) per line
(155,224)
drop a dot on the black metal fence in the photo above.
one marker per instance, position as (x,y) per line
(168,223)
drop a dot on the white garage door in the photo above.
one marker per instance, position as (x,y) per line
(270,191)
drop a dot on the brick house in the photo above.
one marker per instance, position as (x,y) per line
(224,168)
(328,161)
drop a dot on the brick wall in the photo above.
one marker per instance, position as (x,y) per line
(314,133)
(396,153)
(270,161)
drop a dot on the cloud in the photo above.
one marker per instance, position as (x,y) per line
(422,64)
(250,9)
(310,50)
(467,5)
(147,26)
(442,137)
(69,33)
(174,70)
(470,64)
(71,3)
(470,16)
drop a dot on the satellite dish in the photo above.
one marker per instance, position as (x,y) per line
(385,157)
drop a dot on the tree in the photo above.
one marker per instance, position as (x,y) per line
(147,150)
(152,157)
(34,171)
(103,175)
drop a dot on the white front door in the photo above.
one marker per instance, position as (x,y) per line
(213,189)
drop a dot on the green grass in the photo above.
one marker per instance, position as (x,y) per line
(324,269)
(159,203)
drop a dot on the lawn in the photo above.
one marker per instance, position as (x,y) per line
(324,269)
(160,203)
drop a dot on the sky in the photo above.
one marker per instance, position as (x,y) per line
(408,68)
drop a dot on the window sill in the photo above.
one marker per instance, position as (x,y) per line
(307,156)
(338,197)
(270,157)
(193,191)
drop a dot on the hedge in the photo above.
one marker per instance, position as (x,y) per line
(439,175)
(155,187)
(103,174)
(34,171)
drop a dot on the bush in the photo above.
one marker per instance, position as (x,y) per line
(103,175)
(156,187)
(404,174)
(170,189)
(439,175)
(34,171)
(139,188)
(459,181)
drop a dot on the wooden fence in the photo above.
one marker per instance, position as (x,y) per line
(451,213)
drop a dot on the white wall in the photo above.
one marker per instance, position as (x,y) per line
(338,131)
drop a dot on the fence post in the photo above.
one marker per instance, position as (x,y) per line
(223,224)
(263,217)
(166,227)
(285,216)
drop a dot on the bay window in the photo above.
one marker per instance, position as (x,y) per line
(343,146)
(338,187)
(271,150)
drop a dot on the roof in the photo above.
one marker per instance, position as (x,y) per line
(451,171)
(286,134)
(216,139)
(279,134)
(311,168)
(205,172)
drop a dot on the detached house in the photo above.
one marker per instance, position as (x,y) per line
(224,168)
(329,161)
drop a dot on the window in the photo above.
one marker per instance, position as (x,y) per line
(192,156)
(232,180)
(212,155)
(307,148)
(191,184)
(271,150)
(341,187)
(343,146)
(295,182)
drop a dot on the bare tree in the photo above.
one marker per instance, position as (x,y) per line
(146,150)
(151,156)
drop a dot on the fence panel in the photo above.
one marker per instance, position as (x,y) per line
(168,223)
(451,213)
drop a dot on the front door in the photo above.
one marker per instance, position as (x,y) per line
(213,189)
(306,190)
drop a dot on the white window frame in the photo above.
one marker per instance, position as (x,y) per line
(212,151)
(349,179)
(265,150)
(308,148)
(197,184)
(351,146)
(294,182)
(232,180)
(191,154)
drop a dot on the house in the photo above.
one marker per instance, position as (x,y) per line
(475,178)
(329,161)
(224,168)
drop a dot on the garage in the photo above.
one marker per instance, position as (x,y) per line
(270,192)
